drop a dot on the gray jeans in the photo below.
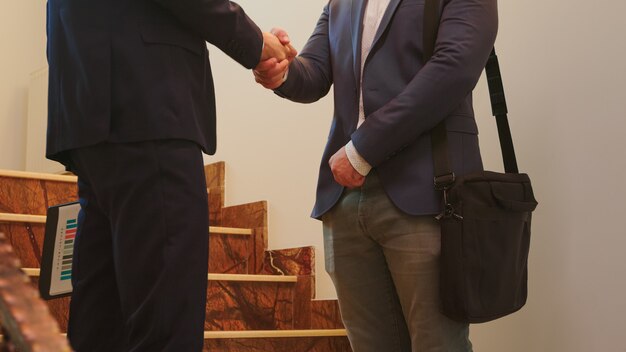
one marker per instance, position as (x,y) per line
(385,267)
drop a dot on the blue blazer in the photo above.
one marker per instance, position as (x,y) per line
(136,70)
(403,97)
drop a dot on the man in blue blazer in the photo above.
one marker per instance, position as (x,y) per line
(131,108)
(375,191)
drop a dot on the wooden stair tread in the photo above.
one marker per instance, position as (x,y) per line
(260,334)
(35,272)
(41,219)
(38,176)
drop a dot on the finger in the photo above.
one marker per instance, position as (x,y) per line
(269,82)
(263,80)
(273,84)
(278,71)
(292,51)
(274,73)
(281,34)
(342,182)
(266,65)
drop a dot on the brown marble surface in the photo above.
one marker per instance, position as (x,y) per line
(325,314)
(215,175)
(229,253)
(296,344)
(216,202)
(26,240)
(250,216)
(60,192)
(30,196)
(304,291)
(292,261)
(230,306)
(249,306)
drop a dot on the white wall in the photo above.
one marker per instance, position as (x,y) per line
(563,71)
(564,74)
(22,51)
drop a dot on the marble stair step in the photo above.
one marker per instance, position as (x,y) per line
(229,247)
(235,302)
(32,193)
(321,340)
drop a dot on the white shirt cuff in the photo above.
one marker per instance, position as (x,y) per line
(357,161)
(285,76)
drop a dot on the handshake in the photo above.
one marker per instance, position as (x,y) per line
(275,59)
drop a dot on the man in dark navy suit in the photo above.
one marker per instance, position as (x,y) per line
(131,108)
(375,190)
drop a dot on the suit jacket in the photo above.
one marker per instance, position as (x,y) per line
(136,70)
(403,97)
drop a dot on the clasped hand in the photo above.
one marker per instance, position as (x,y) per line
(277,55)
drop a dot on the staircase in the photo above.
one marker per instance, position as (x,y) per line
(257,299)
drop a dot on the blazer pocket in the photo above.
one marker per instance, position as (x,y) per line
(170,34)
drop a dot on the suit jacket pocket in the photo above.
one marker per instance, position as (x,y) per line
(171,34)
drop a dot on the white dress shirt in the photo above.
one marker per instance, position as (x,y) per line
(371,21)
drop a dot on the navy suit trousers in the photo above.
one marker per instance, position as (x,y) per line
(141,252)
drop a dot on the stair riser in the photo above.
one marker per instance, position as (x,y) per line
(27,241)
(325,314)
(250,216)
(214,175)
(292,344)
(249,306)
(227,253)
(232,306)
(31,196)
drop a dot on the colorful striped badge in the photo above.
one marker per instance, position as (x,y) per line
(56,267)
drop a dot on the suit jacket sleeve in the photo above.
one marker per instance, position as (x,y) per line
(310,74)
(223,24)
(466,36)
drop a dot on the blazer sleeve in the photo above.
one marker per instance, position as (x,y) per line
(223,24)
(466,36)
(310,74)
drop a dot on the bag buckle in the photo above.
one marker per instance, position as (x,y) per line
(444,182)
(448,211)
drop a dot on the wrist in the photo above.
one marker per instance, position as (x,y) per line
(356,160)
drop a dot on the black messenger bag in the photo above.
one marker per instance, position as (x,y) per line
(485,223)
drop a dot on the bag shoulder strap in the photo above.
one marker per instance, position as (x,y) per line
(444,175)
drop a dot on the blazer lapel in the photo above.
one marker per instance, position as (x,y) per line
(356,28)
(384,22)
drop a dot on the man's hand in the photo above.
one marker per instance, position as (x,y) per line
(274,47)
(270,73)
(343,171)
